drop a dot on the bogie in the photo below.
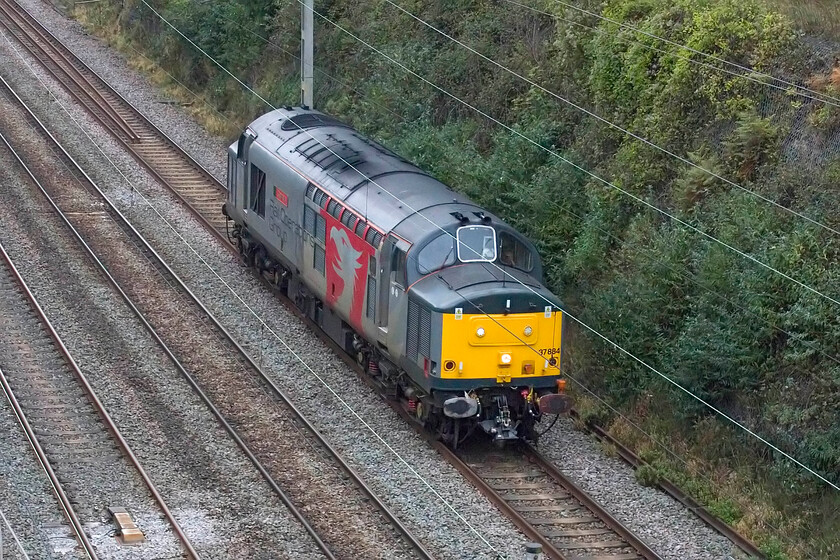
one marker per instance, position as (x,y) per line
(439,301)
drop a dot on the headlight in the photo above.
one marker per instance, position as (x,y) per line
(480,332)
(505,359)
(528,331)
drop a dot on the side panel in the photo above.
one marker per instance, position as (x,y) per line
(346,271)
(279,228)
(284,212)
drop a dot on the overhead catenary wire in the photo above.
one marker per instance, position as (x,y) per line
(602,402)
(531,82)
(611,124)
(612,344)
(741,67)
(748,77)
(183,86)
(716,294)
(606,404)
(402,460)
(318,70)
(14,536)
(597,178)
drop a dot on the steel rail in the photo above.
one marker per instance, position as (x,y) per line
(715,523)
(136,311)
(102,413)
(672,490)
(151,140)
(551,469)
(164,266)
(521,523)
(19,18)
(527,528)
(58,489)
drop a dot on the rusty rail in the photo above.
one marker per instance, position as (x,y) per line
(409,538)
(672,490)
(103,414)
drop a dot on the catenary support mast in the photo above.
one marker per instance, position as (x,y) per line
(307,44)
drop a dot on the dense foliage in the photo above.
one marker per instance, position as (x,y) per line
(748,341)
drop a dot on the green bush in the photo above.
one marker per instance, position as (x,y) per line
(761,349)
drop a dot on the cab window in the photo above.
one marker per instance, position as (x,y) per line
(438,253)
(476,244)
(398,267)
(257,198)
(512,252)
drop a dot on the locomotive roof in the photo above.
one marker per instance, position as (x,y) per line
(381,186)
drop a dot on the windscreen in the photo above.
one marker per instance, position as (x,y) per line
(438,253)
(476,244)
(514,253)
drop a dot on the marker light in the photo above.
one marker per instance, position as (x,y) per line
(505,359)
(528,331)
(480,332)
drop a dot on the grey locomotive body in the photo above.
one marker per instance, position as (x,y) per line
(440,300)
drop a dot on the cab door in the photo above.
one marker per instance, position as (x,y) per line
(384,282)
(393,301)
(238,192)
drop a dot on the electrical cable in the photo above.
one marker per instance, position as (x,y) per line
(612,124)
(797,87)
(253,312)
(558,206)
(693,279)
(14,536)
(749,257)
(182,85)
(566,313)
(748,77)
(323,73)
(582,386)
(569,162)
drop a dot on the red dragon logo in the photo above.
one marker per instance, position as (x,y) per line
(347,267)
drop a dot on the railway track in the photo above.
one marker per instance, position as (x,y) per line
(546,505)
(71,433)
(275,435)
(196,187)
(204,195)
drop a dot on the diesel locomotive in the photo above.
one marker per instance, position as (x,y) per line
(438,299)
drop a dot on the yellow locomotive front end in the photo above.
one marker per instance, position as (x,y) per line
(484,338)
(508,366)
(518,349)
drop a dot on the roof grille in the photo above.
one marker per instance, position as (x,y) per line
(310,120)
(330,154)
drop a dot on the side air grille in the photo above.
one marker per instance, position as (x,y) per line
(320,259)
(371,298)
(321,229)
(309,220)
(424,346)
(412,336)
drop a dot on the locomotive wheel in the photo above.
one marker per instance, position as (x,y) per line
(240,245)
(421,412)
